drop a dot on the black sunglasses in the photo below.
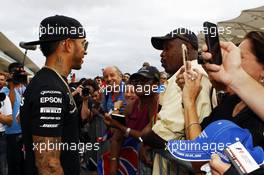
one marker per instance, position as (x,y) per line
(85,45)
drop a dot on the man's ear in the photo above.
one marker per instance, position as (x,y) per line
(68,45)
(192,53)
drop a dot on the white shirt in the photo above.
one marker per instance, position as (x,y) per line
(171,123)
(5,109)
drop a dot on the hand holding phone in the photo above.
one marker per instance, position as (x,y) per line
(212,42)
(120,118)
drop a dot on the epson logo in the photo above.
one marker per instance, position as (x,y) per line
(50,100)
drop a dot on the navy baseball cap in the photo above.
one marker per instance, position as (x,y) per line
(181,33)
(214,139)
(58,28)
(149,72)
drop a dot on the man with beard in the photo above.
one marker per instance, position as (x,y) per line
(49,116)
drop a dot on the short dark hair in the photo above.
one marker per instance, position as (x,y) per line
(90,82)
(98,77)
(13,66)
(49,48)
(257,40)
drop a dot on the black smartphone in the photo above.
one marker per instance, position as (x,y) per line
(212,42)
(120,118)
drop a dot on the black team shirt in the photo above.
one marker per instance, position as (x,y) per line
(48,111)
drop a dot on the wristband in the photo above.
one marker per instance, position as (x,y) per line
(127,132)
(195,123)
(140,139)
(113,158)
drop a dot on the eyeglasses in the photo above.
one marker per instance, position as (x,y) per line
(85,45)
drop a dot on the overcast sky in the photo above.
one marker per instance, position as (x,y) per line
(118,31)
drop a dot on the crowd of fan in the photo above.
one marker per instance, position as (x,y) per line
(183,104)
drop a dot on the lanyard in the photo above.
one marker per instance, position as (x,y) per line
(66,84)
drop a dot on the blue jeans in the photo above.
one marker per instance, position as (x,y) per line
(3,160)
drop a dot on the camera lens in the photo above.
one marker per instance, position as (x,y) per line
(85,91)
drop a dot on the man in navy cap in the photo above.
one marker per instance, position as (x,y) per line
(49,116)
(172,123)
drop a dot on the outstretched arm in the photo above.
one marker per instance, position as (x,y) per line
(234,76)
